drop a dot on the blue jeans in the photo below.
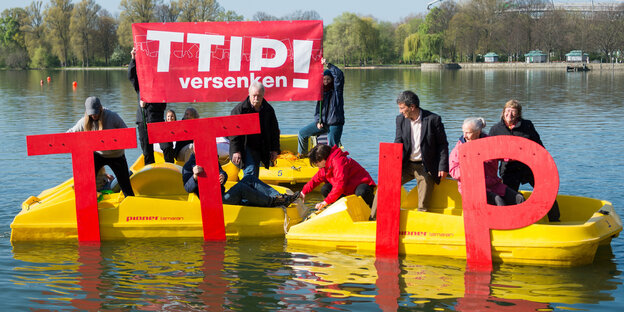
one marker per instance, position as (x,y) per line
(259,186)
(250,192)
(251,163)
(334,133)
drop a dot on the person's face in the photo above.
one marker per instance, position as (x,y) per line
(255,97)
(95,116)
(188,115)
(327,80)
(511,115)
(407,111)
(321,164)
(170,116)
(469,133)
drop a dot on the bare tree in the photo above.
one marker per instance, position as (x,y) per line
(167,13)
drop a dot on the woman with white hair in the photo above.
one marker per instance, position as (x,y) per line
(498,193)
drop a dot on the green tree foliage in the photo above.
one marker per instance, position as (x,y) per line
(83,27)
(452,30)
(134,11)
(105,36)
(57,18)
(199,10)
(352,39)
(33,29)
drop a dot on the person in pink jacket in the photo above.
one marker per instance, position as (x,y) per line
(498,193)
(342,176)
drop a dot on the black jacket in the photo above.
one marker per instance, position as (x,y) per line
(266,141)
(524,128)
(154,112)
(190,184)
(433,143)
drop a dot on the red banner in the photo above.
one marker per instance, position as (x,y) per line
(216,61)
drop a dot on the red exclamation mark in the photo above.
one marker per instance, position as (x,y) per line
(302,53)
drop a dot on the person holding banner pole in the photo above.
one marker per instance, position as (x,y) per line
(147,113)
(329,115)
(248,151)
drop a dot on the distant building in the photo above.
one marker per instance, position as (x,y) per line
(535,56)
(577,56)
(491,57)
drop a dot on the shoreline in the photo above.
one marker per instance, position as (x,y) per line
(423,66)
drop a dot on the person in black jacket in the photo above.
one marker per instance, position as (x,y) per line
(247,151)
(147,113)
(425,148)
(329,115)
(515,173)
(248,191)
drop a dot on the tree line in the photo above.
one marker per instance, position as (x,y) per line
(63,33)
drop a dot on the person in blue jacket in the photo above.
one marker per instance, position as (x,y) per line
(249,191)
(329,115)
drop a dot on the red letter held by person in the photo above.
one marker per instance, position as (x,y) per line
(203,132)
(82,145)
(389,200)
(479,217)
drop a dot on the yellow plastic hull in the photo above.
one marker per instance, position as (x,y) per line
(586,224)
(161,208)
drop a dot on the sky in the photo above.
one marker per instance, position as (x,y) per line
(383,10)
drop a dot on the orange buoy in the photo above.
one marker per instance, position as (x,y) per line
(74,84)
(49,78)
(41,82)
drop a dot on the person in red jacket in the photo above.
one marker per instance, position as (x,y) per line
(342,176)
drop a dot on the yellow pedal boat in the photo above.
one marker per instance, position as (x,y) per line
(287,169)
(161,208)
(586,224)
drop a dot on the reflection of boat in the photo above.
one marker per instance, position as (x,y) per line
(585,224)
(338,273)
(161,208)
(287,169)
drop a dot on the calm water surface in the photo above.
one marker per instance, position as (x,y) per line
(578,115)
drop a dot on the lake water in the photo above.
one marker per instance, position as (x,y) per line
(578,116)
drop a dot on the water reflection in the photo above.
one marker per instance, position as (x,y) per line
(444,283)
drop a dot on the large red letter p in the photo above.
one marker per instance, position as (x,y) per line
(479,216)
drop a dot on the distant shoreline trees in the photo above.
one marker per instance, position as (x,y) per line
(81,33)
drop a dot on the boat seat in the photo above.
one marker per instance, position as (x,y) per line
(159,179)
(445,197)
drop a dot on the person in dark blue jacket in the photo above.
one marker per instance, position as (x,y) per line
(329,115)
(249,191)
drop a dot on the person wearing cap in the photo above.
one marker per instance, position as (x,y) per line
(99,118)
(147,113)
(329,115)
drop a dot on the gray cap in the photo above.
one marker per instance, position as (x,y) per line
(93,106)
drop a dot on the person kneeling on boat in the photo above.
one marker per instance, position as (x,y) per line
(249,191)
(498,193)
(342,176)
(98,118)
